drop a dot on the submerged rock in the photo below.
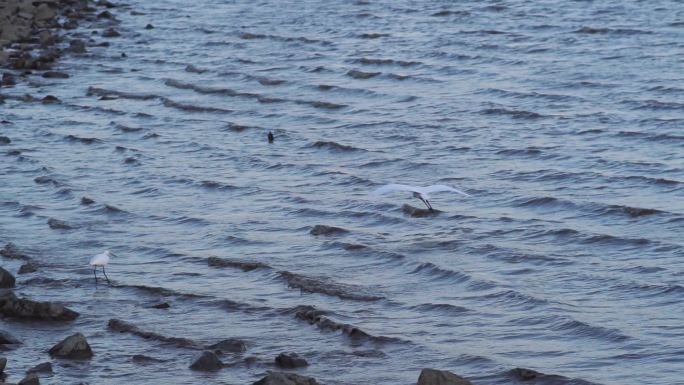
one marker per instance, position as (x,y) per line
(231,345)
(416,212)
(7,280)
(7,339)
(55,75)
(163,305)
(12,252)
(281,378)
(59,225)
(29,267)
(45,367)
(440,377)
(3,363)
(73,347)
(243,265)
(11,306)
(327,230)
(125,327)
(207,362)
(290,360)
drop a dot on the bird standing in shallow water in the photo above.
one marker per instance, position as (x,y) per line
(421,193)
(101,259)
(270,137)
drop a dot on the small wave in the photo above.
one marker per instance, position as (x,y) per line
(57,224)
(447,12)
(373,35)
(362,75)
(529,151)
(317,317)
(123,128)
(371,61)
(441,308)
(44,179)
(94,91)
(334,146)
(125,327)
(323,105)
(633,212)
(236,264)
(213,185)
(515,114)
(208,90)
(270,82)
(616,31)
(326,286)
(74,138)
(192,108)
(440,273)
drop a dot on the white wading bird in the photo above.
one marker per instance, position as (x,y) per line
(101,259)
(421,193)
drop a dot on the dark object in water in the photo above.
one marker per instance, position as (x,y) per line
(270,137)
(290,360)
(74,347)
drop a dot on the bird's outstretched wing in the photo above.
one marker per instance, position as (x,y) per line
(395,187)
(440,187)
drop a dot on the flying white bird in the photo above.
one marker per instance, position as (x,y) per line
(422,193)
(101,259)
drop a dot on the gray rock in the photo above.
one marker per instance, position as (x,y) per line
(8,80)
(207,362)
(30,379)
(5,140)
(290,361)
(3,363)
(45,367)
(7,339)
(6,279)
(281,378)
(440,377)
(57,224)
(55,75)
(74,347)
(230,345)
(12,252)
(110,32)
(11,306)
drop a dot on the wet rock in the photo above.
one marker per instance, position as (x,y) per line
(7,280)
(230,345)
(105,15)
(111,32)
(440,377)
(290,361)
(318,318)
(416,212)
(325,286)
(70,24)
(163,305)
(5,140)
(281,378)
(7,339)
(45,367)
(59,225)
(271,138)
(207,362)
(73,347)
(30,379)
(105,3)
(11,306)
(149,26)
(243,265)
(8,80)
(29,267)
(87,201)
(12,252)
(49,99)
(3,363)
(55,75)
(327,230)
(142,359)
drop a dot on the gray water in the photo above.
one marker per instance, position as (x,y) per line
(562,119)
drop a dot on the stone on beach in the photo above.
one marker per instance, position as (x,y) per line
(73,347)
(7,280)
(440,377)
(282,378)
(207,362)
(11,306)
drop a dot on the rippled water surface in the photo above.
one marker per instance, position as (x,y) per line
(563,119)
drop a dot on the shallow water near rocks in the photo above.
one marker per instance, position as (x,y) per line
(562,119)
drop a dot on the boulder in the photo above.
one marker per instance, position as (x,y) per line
(73,347)
(290,361)
(231,345)
(6,279)
(30,379)
(11,306)
(207,362)
(440,377)
(281,378)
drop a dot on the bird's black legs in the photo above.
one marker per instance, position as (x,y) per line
(95,274)
(105,274)
(427,204)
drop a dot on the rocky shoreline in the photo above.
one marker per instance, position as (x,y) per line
(34,35)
